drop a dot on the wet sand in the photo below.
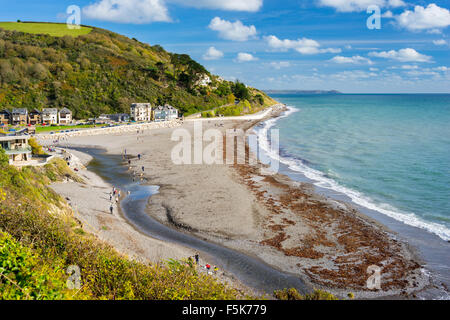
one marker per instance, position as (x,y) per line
(326,243)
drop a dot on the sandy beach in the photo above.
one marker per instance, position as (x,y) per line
(326,243)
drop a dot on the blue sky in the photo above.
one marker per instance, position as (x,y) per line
(295,44)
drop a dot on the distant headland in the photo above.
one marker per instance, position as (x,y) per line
(302,92)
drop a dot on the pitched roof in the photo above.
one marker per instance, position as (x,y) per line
(50,110)
(35,111)
(65,110)
(20,110)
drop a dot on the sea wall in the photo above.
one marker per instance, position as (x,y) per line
(112,130)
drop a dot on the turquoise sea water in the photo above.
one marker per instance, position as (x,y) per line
(390,153)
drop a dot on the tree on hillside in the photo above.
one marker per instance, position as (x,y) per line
(240,91)
(3,157)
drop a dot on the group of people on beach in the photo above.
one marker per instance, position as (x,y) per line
(114,196)
(207,266)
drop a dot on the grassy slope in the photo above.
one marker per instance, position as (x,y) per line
(52,29)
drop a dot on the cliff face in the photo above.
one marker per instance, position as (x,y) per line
(104,72)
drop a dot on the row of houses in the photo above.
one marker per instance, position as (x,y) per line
(48,116)
(139,112)
(146,112)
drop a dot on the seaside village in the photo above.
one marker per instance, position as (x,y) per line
(17,125)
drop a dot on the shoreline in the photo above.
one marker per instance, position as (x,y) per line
(245,239)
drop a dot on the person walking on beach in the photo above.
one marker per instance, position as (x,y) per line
(197,259)
(111,209)
(139,156)
(143,169)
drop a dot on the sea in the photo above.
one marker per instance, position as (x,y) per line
(388,154)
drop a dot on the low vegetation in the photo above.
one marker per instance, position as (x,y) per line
(293,294)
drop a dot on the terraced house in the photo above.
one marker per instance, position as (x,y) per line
(141,112)
(5,117)
(19,116)
(35,117)
(50,116)
(65,116)
(165,113)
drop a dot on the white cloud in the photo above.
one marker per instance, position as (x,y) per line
(281,64)
(441,42)
(146,11)
(213,54)
(245,57)
(230,5)
(431,17)
(303,46)
(395,3)
(388,15)
(352,60)
(359,5)
(128,11)
(403,55)
(353,75)
(443,69)
(409,67)
(235,31)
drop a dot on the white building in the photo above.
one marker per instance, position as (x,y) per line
(65,116)
(141,112)
(172,113)
(204,81)
(50,116)
(165,113)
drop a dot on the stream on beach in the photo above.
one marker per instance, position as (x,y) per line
(250,271)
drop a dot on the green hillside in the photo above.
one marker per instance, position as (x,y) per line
(103,72)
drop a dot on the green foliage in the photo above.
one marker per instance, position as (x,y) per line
(35,147)
(260,99)
(101,72)
(208,114)
(293,294)
(23,275)
(223,90)
(3,157)
(241,91)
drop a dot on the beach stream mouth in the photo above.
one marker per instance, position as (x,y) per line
(250,271)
